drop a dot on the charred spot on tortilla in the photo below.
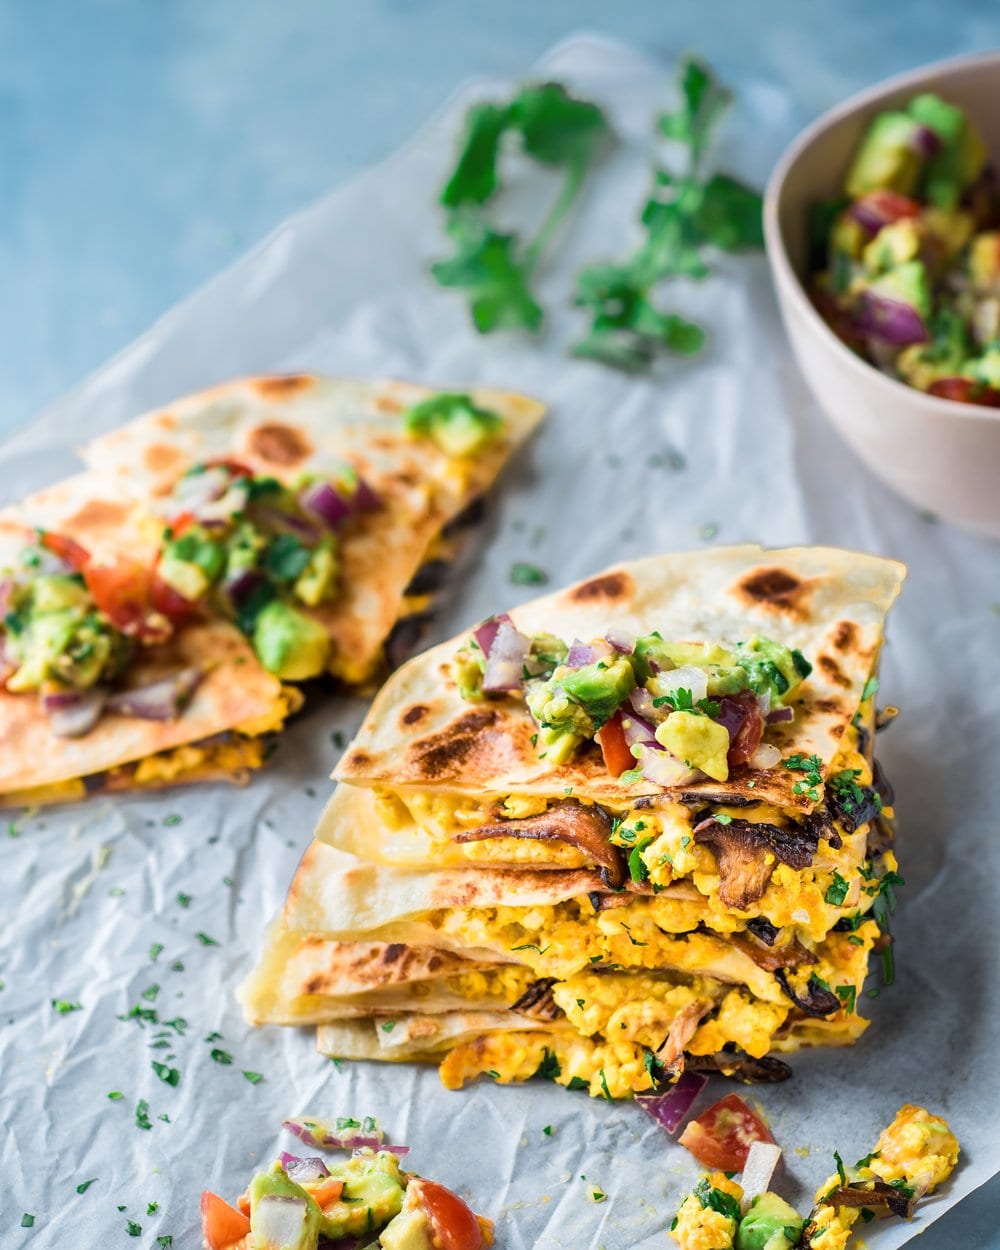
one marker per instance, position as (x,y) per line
(97,514)
(163,458)
(845,635)
(440,755)
(828,706)
(615,585)
(278,443)
(774,588)
(414,714)
(830,669)
(388,403)
(357,760)
(392,952)
(282,385)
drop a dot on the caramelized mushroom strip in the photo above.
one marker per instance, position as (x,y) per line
(682,1029)
(587,828)
(741,850)
(740,1067)
(814,1000)
(788,955)
(537,1002)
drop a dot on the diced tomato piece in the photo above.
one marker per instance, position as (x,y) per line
(965,391)
(123,592)
(222,1226)
(741,716)
(167,601)
(890,205)
(617,757)
(453,1222)
(181,522)
(66,549)
(721,1137)
(236,467)
(328,1192)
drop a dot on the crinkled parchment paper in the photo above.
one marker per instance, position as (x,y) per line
(727,448)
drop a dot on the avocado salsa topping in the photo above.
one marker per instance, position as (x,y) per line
(668,712)
(366,1201)
(907,262)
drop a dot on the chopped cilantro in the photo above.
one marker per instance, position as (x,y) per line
(522,574)
(169,1076)
(221,1056)
(115,1095)
(184,900)
(133,1229)
(604,1086)
(547,1130)
(155,951)
(494,1074)
(151,992)
(205,940)
(85,1185)
(152,1208)
(837,890)
(841,1173)
(172,819)
(848,996)
(142,1119)
(549,1068)
(577,1082)
(27,1221)
(64,1007)
(388,1026)
(720,818)
(630,776)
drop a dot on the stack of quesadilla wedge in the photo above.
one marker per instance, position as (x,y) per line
(162,608)
(629,828)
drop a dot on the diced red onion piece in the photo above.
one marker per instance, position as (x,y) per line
(687,677)
(889,320)
(311,1169)
(670,1109)
(582,653)
(347,1140)
(72,713)
(365,498)
(766,756)
(642,702)
(320,500)
(762,1159)
(780,715)
(235,499)
(621,641)
(242,586)
(160,700)
(925,141)
(505,662)
(867,216)
(279,1221)
(662,768)
(764,704)
(638,731)
(485,634)
(194,491)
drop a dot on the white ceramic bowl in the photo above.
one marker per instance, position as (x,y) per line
(941,455)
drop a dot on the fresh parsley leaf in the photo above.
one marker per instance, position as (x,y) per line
(836,892)
(549,1067)
(730,215)
(577,1082)
(221,1056)
(170,1076)
(474,178)
(142,1119)
(85,1185)
(848,996)
(527,575)
(63,1007)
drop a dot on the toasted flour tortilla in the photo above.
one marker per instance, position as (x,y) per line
(289,426)
(421,1038)
(830,604)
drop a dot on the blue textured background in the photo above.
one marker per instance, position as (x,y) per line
(144,144)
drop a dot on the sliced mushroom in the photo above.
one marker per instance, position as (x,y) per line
(740,1067)
(876,1196)
(537,1002)
(587,828)
(741,851)
(788,955)
(814,1000)
(762,929)
(682,1028)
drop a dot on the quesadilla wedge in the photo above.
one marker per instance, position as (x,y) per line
(324,507)
(654,793)
(249,539)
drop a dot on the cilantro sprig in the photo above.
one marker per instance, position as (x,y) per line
(685,214)
(496,269)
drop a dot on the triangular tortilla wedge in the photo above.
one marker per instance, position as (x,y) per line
(288,426)
(829,603)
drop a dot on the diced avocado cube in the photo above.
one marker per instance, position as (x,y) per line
(458,425)
(885,159)
(985,368)
(906,284)
(772,668)
(187,578)
(371,1198)
(984,259)
(697,740)
(895,243)
(47,637)
(290,644)
(556,746)
(55,591)
(283,1216)
(410,1230)
(848,237)
(769,1224)
(467,669)
(599,688)
(192,562)
(962,154)
(318,581)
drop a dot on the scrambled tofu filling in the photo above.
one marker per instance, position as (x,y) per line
(233,755)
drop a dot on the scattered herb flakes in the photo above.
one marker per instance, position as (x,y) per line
(142,1119)
(227,881)
(337,1062)
(547,1130)
(338,739)
(848,996)
(133,1229)
(155,951)
(183,900)
(173,819)
(152,1208)
(205,940)
(169,1076)
(388,1026)
(115,1095)
(165,1118)
(254,1078)
(85,1185)
(64,1007)
(164,1242)
(213,1037)
(871,686)
(150,992)
(27,1221)
(522,574)
(178,1024)
(221,1056)
(577,1082)
(812,767)
(708,531)
(177,966)
(116,891)
(604,1086)
(837,890)
(12,830)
